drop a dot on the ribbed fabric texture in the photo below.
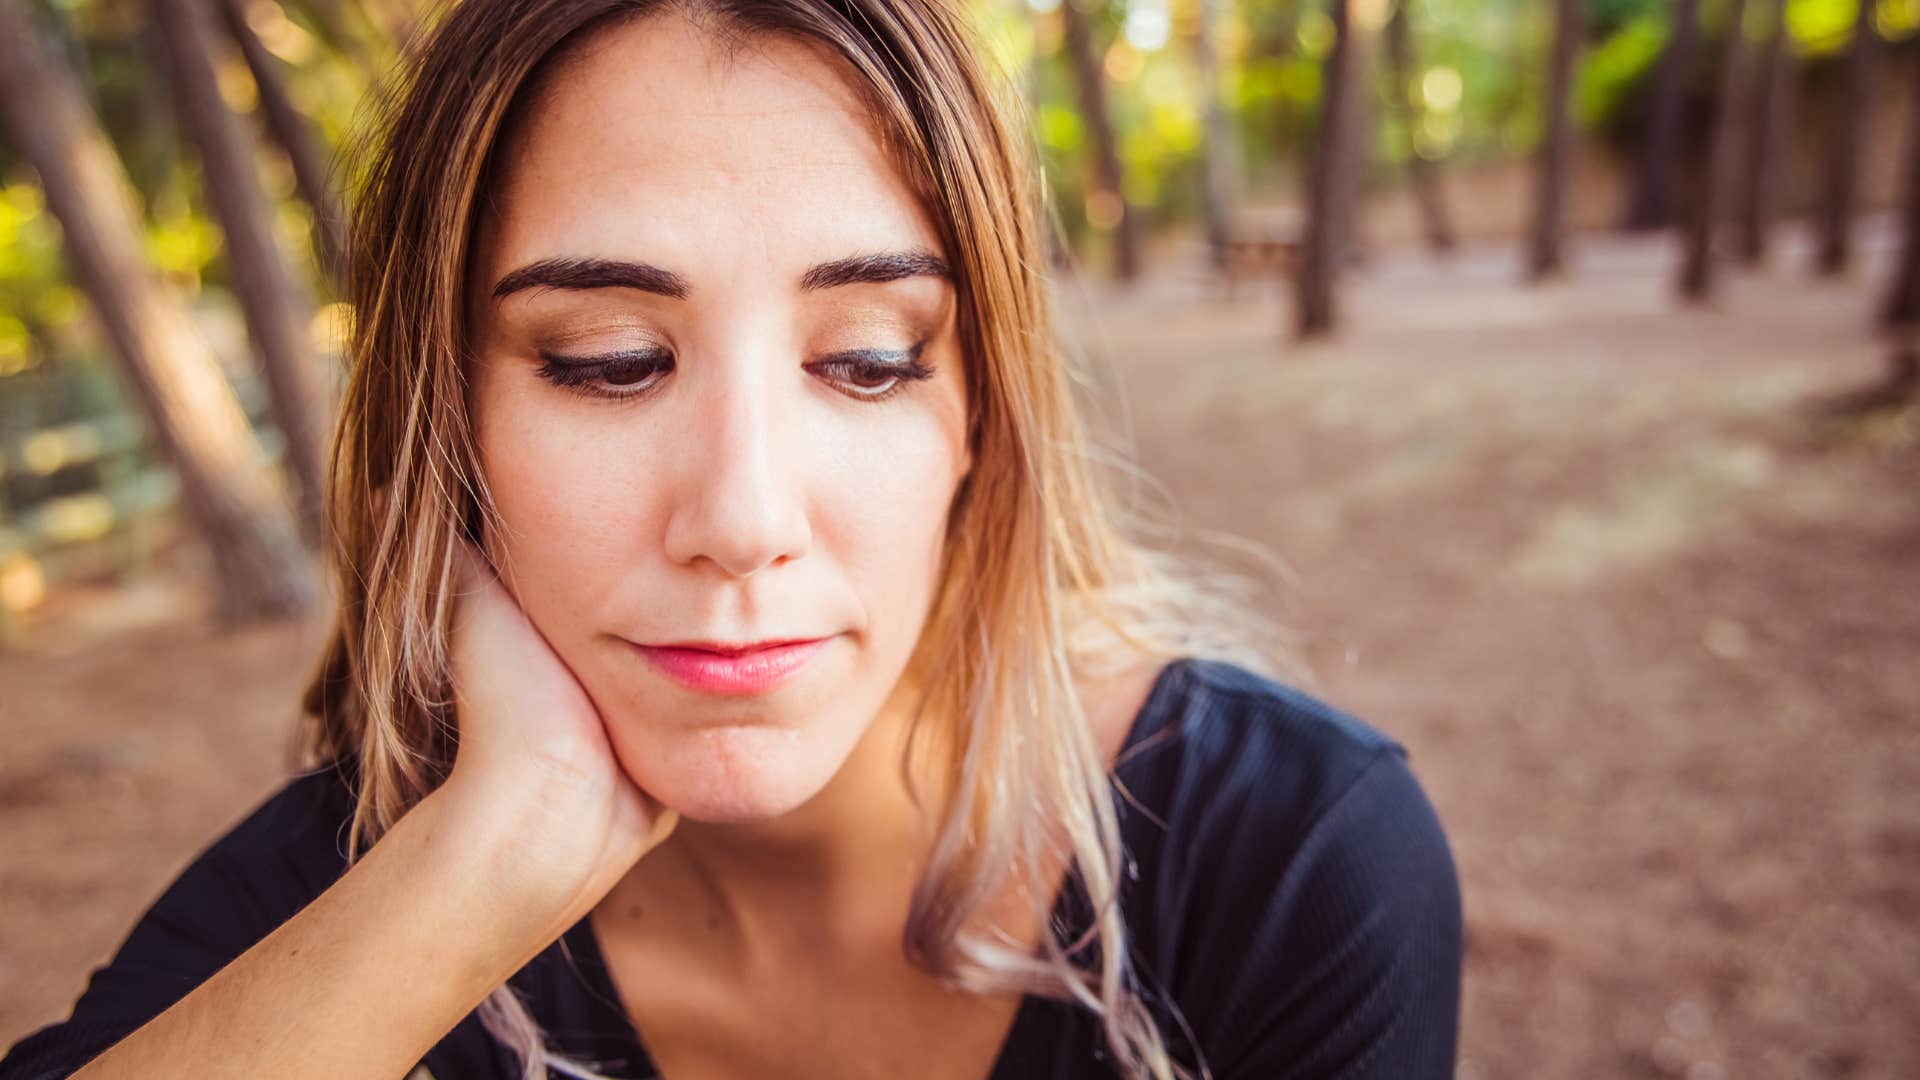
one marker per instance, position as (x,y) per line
(1293,905)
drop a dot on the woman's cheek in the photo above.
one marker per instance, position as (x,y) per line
(573,510)
(898,519)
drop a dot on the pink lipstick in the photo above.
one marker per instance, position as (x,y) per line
(718,669)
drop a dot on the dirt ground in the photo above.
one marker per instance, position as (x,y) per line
(1646,620)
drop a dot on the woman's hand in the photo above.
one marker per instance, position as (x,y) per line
(534,758)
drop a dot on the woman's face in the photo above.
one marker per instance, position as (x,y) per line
(718,397)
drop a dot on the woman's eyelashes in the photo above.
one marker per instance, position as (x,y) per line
(875,374)
(862,374)
(624,374)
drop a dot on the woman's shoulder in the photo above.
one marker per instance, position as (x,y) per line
(279,855)
(269,862)
(310,810)
(1231,738)
(283,851)
(1291,887)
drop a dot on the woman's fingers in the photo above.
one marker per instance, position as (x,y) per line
(519,704)
(534,757)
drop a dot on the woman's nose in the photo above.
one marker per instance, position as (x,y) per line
(740,505)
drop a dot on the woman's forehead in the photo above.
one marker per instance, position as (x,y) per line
(660,140)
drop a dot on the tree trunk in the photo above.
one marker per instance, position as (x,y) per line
(1089,80)
(1548,257)
(1697,268)
(1423,176)
(1651,204)
(1350,243)
(1219,157)
(1315,310)
(277,309)
(226,492)
(1847,126)
(1772,87)
(1903,302)
(296,138)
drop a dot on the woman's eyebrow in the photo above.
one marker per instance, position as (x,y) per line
(577,272)
(875,269)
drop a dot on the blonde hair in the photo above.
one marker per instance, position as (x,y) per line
(1040,581)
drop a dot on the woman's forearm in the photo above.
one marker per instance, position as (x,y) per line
(369,976)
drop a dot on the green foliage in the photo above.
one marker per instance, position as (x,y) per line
(1822,27)
(33,291)
(1474,93)
(1898,20)
(182,246)
(1480,73)
(1606,18)
(1061,129)
(1616,67)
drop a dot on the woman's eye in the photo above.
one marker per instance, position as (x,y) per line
(875,374)
(615,375)
(865,374)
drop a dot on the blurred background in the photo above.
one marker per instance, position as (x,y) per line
(1560,352)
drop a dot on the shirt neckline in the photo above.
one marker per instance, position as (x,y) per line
(584,942)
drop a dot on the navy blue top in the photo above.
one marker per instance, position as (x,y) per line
(1292,893)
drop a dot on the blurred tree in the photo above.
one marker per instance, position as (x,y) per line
(1107,201)
(1767,127)
(1547,254)
(1846,128)
(1275,87)
(278,309)
(1902,307)
(1409,101)
(1697,266)
(226,490)
(295,138)
(1217,156)
(1651,204)
(1900,312)
(1331,176)
(1366,19)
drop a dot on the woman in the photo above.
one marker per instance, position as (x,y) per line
(736,652)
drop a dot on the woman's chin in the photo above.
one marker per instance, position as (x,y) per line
(738,811)
(732,775)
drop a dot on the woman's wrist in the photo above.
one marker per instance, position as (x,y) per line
(494,839)
(532,848)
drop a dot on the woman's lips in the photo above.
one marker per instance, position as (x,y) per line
(754,671)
